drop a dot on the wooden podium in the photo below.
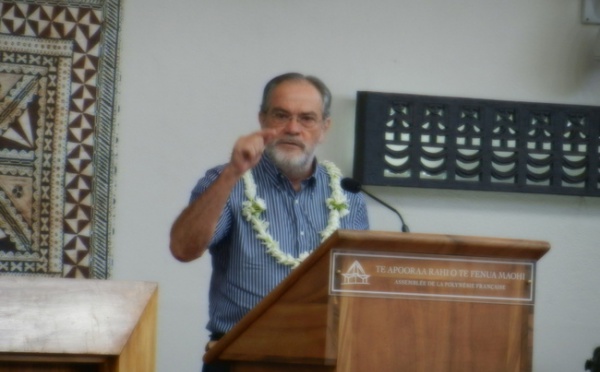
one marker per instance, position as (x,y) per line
(380,301)
(68,325)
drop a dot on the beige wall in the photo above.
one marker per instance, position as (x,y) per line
(192,72)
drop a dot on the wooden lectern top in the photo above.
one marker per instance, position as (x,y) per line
(69,316)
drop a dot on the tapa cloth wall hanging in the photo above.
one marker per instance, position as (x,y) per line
(58,69)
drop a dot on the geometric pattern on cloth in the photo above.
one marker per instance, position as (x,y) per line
(58,68)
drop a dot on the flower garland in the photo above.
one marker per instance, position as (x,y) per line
(254,206)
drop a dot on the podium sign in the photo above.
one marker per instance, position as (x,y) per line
(384,274)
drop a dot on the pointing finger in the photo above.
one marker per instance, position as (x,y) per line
(268,135)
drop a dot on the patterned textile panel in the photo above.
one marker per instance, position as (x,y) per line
(58,68)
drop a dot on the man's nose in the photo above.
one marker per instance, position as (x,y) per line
(293,125)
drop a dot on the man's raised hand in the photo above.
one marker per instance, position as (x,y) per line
(248,150)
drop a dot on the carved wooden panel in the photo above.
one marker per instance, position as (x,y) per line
(476,144)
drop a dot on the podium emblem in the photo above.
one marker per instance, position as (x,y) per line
(355,275)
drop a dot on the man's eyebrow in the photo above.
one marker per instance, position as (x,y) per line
(303,113)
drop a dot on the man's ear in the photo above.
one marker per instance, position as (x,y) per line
(326,126)
(262,119)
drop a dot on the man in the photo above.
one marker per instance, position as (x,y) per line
(263,212)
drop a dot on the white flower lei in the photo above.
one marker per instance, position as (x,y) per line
(252,208)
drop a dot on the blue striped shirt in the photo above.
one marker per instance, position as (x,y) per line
(243,272)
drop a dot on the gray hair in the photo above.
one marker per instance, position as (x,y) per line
(291,76)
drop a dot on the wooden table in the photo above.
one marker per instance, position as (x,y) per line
(64,325)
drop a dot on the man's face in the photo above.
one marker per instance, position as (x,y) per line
(295,111)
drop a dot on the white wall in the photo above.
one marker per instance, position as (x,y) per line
(192,72)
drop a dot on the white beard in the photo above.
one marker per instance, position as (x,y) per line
(291,165)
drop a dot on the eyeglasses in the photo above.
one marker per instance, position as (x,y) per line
(307,120)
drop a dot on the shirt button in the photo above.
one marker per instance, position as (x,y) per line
(301,233)
(296,201)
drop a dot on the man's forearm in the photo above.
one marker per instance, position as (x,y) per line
(192,231)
